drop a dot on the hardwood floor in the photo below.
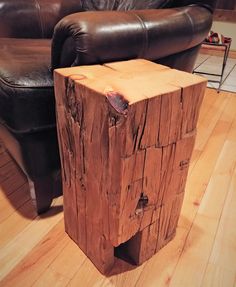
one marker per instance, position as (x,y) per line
(35,250)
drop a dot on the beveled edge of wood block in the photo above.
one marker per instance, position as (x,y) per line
(89,72)
(135,65)
(184,79)
(122,82)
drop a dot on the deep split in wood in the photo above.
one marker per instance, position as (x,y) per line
(126,133)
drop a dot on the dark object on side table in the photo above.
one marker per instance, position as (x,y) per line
(166,32)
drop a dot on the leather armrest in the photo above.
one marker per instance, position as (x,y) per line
(98,37)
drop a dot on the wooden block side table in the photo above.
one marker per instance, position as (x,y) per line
(126,133)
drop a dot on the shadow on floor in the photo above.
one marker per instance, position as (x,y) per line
(15,191)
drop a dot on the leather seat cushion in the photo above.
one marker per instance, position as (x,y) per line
(26,84)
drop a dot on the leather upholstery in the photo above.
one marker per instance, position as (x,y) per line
(33,18)
(26,85)
(37,18)
(126,35)
(209,4)
(138,28)
(27,97)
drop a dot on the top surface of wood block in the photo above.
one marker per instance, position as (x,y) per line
(134,80)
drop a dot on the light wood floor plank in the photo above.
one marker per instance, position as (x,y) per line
(204,245)
(217,276)
(208,104)
(7,173)
(39,258)
(15,223)
(221,269)
(87,275)
(27,238)
(209,121)
(64,266)
(198,246)
(159,269)
(223,252)
(12,203)
(126,278)
(200,175)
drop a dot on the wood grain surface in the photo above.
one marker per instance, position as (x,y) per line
(126,134)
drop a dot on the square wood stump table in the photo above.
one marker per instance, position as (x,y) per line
(126,133)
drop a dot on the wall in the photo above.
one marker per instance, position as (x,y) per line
(228,29)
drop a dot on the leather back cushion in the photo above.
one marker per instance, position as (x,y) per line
(37,18)
(209,4)
(91,5)
(33,18)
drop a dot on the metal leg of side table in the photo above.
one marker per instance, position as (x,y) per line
(226,47)
(226,53)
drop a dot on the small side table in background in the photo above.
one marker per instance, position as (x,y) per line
(223,47)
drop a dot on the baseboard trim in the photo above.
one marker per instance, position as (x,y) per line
(205,50)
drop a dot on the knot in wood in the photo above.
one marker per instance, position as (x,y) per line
(184,164)
(117,101)
(142,203)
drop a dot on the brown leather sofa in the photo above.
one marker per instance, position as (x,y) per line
(165,31)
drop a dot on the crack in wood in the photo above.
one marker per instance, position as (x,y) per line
(144,124)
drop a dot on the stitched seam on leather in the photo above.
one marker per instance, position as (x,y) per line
(145,30)
(37,5)
(163,4)
(24,87)
(192,25)
(29,130)
(116,4)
